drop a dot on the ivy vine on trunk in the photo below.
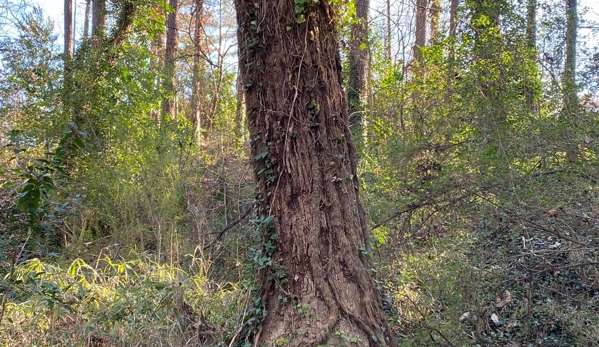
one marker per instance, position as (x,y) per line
(316,285)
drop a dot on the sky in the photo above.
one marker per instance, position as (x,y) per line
(54,9)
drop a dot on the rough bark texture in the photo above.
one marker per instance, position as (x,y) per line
(172,39)
(420,30)
(319,288)
(358,68)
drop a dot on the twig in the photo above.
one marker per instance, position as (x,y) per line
(229,226)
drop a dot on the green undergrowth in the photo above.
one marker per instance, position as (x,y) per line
(136,302)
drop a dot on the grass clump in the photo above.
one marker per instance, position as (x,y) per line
(136,302)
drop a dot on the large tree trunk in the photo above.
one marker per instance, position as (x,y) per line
(316,282)
(172,39)
(358,68)
(198,68)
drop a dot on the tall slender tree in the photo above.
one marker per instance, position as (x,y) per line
(435,16)
(358,68)
(198,66)
(571,105)
(316,277)
(88,6)
(68,28)
(98,19)
(172,39)
(420,30)
(453,18)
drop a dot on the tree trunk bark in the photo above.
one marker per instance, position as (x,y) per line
(453,18)
(316,283)
(68,29)
(98,20)
(172,39)
(88,7)
(569,78)
(198,68)
(420,30)
(531,24)
(389,55)
(531,42)
(68,56)
(358,69)
(435,15)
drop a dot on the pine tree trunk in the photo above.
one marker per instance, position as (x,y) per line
(358,68)
(316,281)
(172,39)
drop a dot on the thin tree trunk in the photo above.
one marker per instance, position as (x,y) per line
(420,30)
(68,29)
(99,20)
(316,285)
(435,15)
(68,56)
(169,82)
(569,79)
(88,6)
(453,18)
(389,55)
(198,67)
(531,24)
(531,42)
(358,69)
